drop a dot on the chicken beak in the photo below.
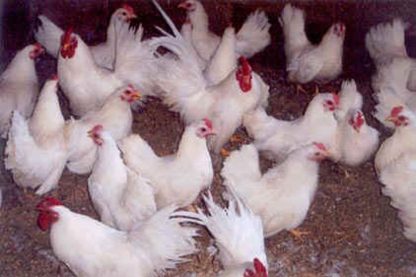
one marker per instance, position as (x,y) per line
(135,96)
(132,16)
(390,119)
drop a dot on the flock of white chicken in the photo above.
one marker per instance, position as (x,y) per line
(208,80)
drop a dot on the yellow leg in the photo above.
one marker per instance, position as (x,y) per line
(298,233)
(316,90)
(299,89)
(224,153)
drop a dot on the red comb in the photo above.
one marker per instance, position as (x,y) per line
(244,65)
(259,270)
(396,111)
(208,123)
(320,146)
(97,128)
(54,77)
(128,8)
(38,45)
(48,202)
(67,35)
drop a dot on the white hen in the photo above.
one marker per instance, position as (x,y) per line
(396,167)
(36,150)
(115,116)
(19,86)
(178,178)
(121,197)
(49,35)
(306,62)
(91,248)
(237,231)
(187,91)
(252,37)
(392,82)
(278,137)
(282,196)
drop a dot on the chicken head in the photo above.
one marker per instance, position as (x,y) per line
(244,74)
(259,270)
(339,29)
(357,120)
(125,13)
(188,5)
(205,128)
(69,44)
(95,134)
(319,152)
(130,94)
(332,104)
(397,117)
(46,215)
(36,51)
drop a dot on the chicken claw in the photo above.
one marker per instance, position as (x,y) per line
(224,153)
(236,139)
(298,233)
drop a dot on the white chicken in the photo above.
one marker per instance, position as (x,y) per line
(278,137)
(178,178)
(36,151)
(396,167)
(121,197)
(90,248)
(356,140)
(392,83)
(115,116)
(252,37)
(187,91)
(49,35)
(237,231)
(19,86)
(304,61)
(282,196)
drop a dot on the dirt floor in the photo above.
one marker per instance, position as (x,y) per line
(351,228)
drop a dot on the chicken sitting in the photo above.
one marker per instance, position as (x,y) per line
(238,234)
(392,82)
(49,35)
(115,116)
(282,196)
(306,62)
(36,150)
(90,248)
(120,196)
(278,137)
(356,140)
(396,167)
(187,91)
(252,38)
(178,178)
(19,86)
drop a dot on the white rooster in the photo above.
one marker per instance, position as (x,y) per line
(281,196)
(304,61)
(252,38)
(49,35)
(121,197)
(278,137)
(396,167)
(178,178)
(392,81)
(238,234)
(115,116)
(90,248)
(36,151)
(19,86)
(187,91)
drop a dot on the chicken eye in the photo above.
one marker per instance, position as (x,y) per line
(401,118)
(203,129)
(128,92)
(124,14)
(329,102)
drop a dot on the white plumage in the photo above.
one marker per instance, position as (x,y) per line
(36,150)
(121,197)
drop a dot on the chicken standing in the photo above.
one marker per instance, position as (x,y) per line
(19,86)
(392,82)
(252,37)
(121,197)
(178,178)
(238,234)
(36,151)
(186,90)
(49,35)
(278,137)
(90,248)
(281,196)
(304,61)
(396,167)
(115,116)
